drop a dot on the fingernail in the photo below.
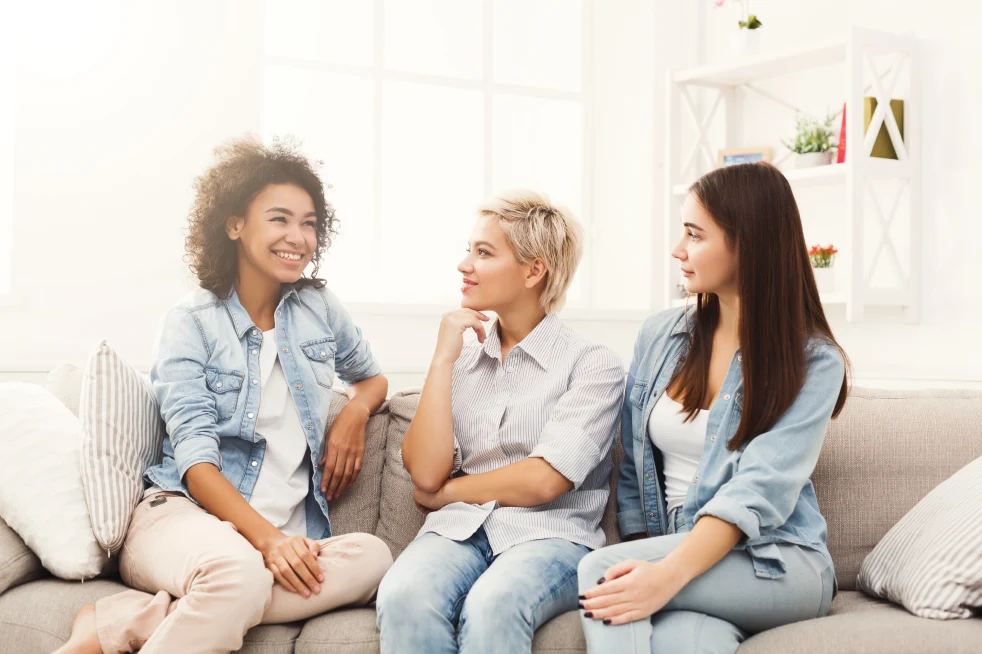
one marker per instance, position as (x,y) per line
(306,593)
(601,580)
(320,578)
(317,589)
(588,614)
(607,621)
(582,597)
(581,605)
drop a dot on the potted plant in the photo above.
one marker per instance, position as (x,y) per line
(822,259)
(746,40)
(814,141)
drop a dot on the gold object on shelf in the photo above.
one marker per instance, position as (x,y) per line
(883,146)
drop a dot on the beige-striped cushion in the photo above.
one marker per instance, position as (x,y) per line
(123,435)
(931,561)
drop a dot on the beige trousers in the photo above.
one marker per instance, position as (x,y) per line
(200,586)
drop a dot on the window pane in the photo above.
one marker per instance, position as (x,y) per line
(432,182)
(536,144)
(538,43)
(434,37)
(330,31)
(332,115)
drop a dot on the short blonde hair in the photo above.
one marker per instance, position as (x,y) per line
(536,228)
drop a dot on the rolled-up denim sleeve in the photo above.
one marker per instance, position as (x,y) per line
(581,426)
(630,516)
(353,361)
(777,464)
(187,407)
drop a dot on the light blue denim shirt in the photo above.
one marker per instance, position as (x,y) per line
(764,487)
(205,376)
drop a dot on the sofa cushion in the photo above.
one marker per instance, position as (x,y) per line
(18,564)
(353,631)
(65,383)
(399,520)
(357,509)
(36,618)
(122,436)
(858,625)
(885,451)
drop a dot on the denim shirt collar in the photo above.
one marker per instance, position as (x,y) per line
(537,344)
(241,320)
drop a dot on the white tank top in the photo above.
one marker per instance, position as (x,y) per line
(681,444)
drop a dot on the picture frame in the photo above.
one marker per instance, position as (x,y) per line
(732,156)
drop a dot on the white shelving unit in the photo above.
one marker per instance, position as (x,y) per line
(854,177)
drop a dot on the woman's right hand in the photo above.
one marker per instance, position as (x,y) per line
(450,341)
(293,562)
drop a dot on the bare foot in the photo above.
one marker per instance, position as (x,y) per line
(84,638)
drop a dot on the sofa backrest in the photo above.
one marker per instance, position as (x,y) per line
(886,451)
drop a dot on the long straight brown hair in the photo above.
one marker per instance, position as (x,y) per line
(780,309)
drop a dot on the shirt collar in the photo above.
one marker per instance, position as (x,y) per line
(537,344)
(682,324)
(241,320)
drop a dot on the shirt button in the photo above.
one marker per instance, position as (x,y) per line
(255,332)
(255,351)
(310,426)
(695,479)
(297,386)
(255,463)
(713,437)
(256,381)
(739,357)
(726,397)
(286,349)
(251,416)
(323,355)
(648,477)
(651,516)
(219,384)
(279,313)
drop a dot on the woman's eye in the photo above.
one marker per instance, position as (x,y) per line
(694,237)
(482,251)
(310,223)
(281,218)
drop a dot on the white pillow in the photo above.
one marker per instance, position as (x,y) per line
(41,494)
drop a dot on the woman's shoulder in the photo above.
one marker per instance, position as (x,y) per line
(662,324)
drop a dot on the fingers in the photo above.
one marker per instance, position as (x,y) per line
(618,614)
(315,549)
(330,464)
(311,570)
(289,568)
(603,601)
(337,474)
(279,578)
(347,477)
(621,569)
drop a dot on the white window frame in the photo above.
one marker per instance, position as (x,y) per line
(379,75)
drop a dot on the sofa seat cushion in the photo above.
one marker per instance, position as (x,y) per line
(36,618)
(353,631)
(857,624)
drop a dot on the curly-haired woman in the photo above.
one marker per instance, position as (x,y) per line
(233,530)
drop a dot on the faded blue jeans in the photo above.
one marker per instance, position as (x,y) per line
(718,610)
(444,596)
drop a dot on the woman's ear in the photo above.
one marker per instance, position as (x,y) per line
(536,272)
(233,227)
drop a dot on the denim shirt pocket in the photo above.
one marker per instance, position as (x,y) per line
(226,385)
(320,353)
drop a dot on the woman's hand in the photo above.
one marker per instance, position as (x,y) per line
(450,340)
(630,591)
(293,562)
(344,449)
(427,502)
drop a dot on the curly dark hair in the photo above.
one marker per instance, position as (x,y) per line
(243,168)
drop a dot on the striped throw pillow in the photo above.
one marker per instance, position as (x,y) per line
(122,437)
(931,561)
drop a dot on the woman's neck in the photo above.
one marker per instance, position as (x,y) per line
(729,316)
(515,324)
(259,296)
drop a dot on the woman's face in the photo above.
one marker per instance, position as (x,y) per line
(493,277)
(708,263)
(278,236)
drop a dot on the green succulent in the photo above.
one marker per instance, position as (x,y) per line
(751,23)
(813,135)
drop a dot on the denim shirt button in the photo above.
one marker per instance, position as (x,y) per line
(310,426)
(648,477)
(255,332)
(726,397)
(251,415)
(286,349)
(255,463)
(712,437)
(297,386)
(695,479)
(651,516)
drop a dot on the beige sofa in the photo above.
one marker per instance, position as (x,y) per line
(885,452)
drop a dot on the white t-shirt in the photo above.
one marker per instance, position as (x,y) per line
(681,444)
(284,477)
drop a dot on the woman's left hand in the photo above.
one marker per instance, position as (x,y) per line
(344,448)
(630,591)
(433,501)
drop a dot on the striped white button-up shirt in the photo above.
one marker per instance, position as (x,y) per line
(556,396)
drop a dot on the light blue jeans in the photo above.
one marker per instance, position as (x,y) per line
(444,596)
(718,610)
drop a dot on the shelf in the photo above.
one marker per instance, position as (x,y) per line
(762,66)
(833,174)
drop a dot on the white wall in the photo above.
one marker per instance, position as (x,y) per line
(115,120)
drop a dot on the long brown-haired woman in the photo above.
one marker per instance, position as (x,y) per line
(726,408)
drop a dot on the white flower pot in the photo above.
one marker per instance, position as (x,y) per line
(825,280)
(813,159)
(744,42)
